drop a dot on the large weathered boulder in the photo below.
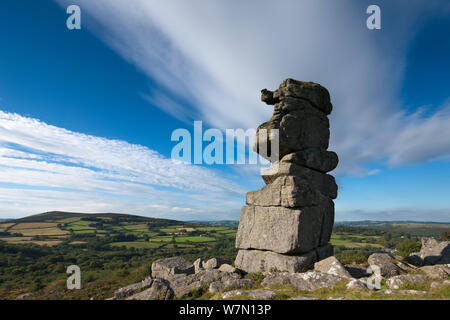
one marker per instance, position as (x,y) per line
(217,286)
(397,281)
(313,158)
(405,266)
(159,290)
(264,261)
(332,265)
(317,95)
(322,182)
(280,229)
(286,191)
(164,268)
(356,284)
(439,271)
(435,252)
(227,268)
(215,263)
(133,288)
(386,264)
(198,265)
(183,284)
(302,281)
(299,126)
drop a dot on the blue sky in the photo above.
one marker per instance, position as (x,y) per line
(86,116)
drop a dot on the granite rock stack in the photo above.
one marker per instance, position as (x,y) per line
(286,225)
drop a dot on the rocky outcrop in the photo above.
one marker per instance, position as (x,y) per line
(435,252)
(355,284)
(439,271)
(332,265)
(302,281)
(226,281)
(164,268)
(215,263)
(287,224)
(217,286)
(183,284)
(133,288)
(159,290)
(405,266)
(397,281)
(198,265)
(432,252)
(264,261)
(386,264)
(228,268)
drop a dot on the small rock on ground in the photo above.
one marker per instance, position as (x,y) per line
(355,284)
(332,265)
(436,284)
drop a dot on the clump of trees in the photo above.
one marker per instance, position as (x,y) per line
(445,235)
(408,246)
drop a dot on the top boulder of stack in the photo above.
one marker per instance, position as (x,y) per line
(314,93)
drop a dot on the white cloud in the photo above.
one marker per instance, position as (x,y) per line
(217,55)
(50,168)
(373,172)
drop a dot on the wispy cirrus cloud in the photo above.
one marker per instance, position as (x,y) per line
(43,167)
(217,55)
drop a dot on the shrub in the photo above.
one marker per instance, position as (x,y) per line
(408,246)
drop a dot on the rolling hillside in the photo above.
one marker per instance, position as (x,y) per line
(420,229)
(53,228)
(112,250)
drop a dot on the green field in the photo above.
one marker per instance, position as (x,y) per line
(194,239)
(118,230)
(137,244)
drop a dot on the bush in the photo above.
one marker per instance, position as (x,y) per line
(408,246)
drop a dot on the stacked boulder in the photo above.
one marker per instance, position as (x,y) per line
(287,224)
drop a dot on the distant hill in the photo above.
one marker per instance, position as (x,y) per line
(115,229)
(61,215)
(220,223)
(112,249)
(417,228)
